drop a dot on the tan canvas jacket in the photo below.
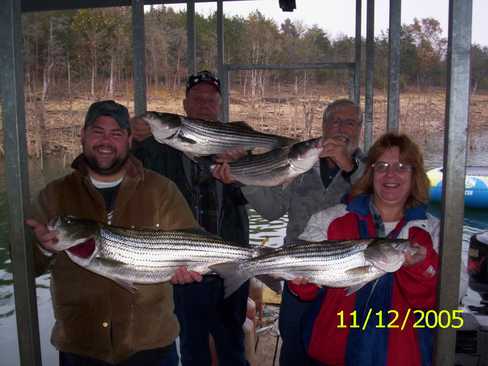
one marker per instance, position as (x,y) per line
(94,316)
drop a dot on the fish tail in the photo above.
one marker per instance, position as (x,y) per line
(233,274)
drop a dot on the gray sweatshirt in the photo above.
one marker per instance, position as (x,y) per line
(302,198)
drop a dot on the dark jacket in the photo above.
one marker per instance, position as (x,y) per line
(96,317)
(233,221)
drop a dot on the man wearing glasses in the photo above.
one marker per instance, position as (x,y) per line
(340,164)
(219,209)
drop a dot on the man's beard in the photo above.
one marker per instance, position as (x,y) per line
(114,168)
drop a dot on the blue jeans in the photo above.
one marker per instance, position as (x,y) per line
(202,310)
(166,356)
(293,351)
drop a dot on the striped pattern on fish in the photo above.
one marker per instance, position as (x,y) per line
(142,256)
(329,263)
(200,138)
(277,166)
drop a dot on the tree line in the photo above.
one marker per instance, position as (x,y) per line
(89,52)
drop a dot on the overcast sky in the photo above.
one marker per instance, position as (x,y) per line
(337,16)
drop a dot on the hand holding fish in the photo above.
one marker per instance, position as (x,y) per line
(183,276)
(300,281)
(230,155)
(414,256)
(222,173)
(47,238)
(337,149)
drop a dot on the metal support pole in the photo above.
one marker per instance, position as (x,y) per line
(138,43)
(368,109)
(394,65)
(455,142)
(12,86)
(223,74)
(191,37)
(357,55)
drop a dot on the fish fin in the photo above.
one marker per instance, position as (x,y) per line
(358,271)
(352,289)
(285,141)
(272,282)
(287,183)
(241,124)
(186,139)
(200,231)
(129,286)
(232,275)
(109,262)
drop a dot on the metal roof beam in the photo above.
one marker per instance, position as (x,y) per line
(12,92)
(47,5)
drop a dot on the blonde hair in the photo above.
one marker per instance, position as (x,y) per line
(409,154)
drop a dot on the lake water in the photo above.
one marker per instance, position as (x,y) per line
(475,221)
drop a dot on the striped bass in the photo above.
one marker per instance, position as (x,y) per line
(199,137)
(277,166)
(140,256)
(350,263)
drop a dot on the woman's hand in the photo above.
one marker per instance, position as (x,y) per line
(416,255)
(300,281)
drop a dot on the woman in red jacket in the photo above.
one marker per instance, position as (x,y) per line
(375,325)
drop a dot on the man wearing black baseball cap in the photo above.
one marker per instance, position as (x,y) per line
(108,108)
(219,209)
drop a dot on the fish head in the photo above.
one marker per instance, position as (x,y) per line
(303,155)
(387,254)
(72,231)
(163,125)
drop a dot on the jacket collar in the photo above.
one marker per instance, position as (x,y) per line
(133,166)
(360,206)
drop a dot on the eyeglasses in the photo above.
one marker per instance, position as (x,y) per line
(343,122)
(397,167)
(202,76)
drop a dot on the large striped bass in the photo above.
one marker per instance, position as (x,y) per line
(277,166)
(350,263)
(140,256)
(200,138)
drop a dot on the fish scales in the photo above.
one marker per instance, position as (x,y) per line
(277,166)
(161,249)
(199,137)
(334,264)
(141,256)
(256,166)
(221,134)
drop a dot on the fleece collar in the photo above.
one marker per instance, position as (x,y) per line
(360,206)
